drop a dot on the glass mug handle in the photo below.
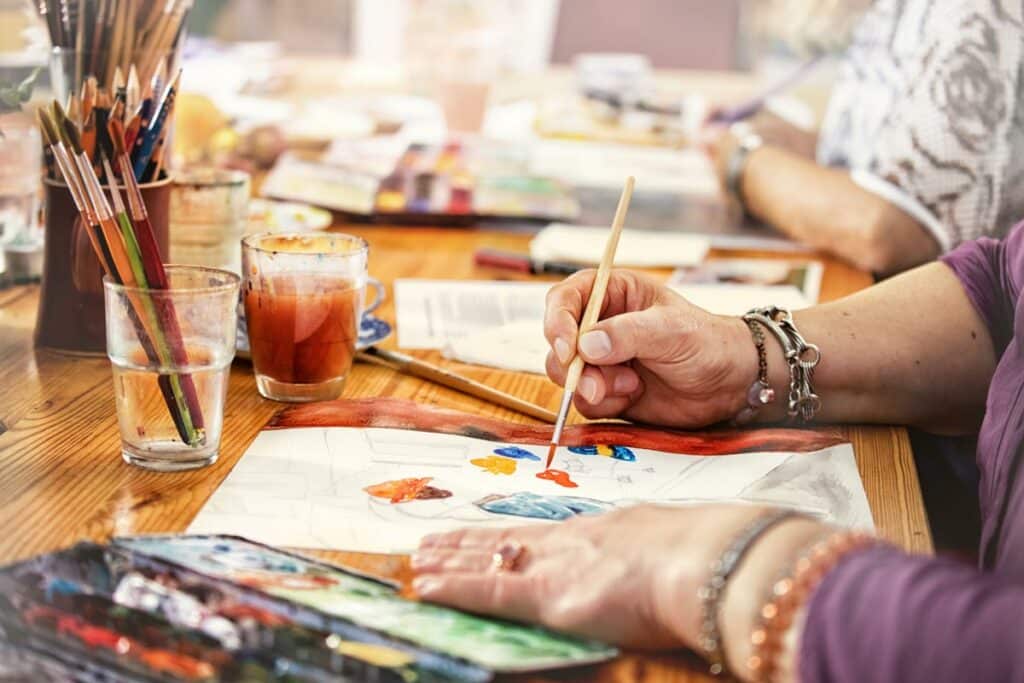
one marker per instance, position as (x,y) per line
(379,298)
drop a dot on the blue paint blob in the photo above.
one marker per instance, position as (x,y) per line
(555,508)
(617,452)
(516,453)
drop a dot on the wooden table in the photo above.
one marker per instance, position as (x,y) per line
(62,478)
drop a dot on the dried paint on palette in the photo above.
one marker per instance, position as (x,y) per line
(614,452)
(495,464)
(406,490)
(516,453)
(536,506)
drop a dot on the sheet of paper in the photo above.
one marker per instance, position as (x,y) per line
(323,483)
(637,248)
(734,286)
(433,313)
(518,346)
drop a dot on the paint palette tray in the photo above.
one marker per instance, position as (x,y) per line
(452,183)
(224,608)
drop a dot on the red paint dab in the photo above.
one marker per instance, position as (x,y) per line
(560,477)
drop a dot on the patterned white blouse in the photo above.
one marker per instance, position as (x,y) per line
(929,113)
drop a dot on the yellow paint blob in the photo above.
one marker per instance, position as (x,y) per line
(606,451)
(375,654)
(495,464)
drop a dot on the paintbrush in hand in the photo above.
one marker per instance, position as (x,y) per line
(591,314)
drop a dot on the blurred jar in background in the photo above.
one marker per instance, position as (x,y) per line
(209,216)
(20,167)
(457,46)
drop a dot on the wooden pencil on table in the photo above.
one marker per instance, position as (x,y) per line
(591,314)
(413,366)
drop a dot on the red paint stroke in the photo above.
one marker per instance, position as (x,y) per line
(405,490)
(393,413)
(560,477)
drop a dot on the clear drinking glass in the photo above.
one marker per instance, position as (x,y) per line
(209,214)
(171,352)
(304,300)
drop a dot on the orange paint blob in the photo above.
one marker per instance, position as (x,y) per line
(405,490)
(495,464)
(560,477)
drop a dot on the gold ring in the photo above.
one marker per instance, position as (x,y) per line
(507,556)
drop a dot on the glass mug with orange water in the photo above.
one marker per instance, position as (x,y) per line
(304,300)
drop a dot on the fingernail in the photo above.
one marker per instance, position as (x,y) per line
(563,350)
(596,344)
(624,384)
(425,584)
(588,389)
(419,560)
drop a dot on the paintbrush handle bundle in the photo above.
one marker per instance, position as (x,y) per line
(99,37)
(112,62)
(122,239)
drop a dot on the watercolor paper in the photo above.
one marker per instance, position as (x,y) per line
(377,475)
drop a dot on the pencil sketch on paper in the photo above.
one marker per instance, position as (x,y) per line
(378,475)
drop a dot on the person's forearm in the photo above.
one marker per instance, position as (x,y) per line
(824,208)
(886,616)
(910,350)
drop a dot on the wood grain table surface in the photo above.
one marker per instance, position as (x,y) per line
(62,479)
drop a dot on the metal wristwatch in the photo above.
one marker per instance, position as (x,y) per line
(749,142)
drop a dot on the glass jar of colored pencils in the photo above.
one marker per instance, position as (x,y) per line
(171,351)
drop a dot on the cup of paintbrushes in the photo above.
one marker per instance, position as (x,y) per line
(170,350)
(71,317)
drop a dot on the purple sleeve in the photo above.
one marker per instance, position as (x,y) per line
(882,615)
(987,268)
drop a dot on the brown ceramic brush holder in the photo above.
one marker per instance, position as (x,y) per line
(71,317)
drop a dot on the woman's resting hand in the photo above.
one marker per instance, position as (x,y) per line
(629,577)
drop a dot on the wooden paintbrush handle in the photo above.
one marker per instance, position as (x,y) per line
(479,390)
(413,366)
(604,272)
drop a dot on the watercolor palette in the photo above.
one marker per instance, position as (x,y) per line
(451,183)
(224,608)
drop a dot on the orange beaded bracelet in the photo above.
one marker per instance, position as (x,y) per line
(790,593)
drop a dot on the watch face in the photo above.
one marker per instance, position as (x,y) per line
(751,142)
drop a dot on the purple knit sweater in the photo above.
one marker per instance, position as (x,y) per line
(882,615)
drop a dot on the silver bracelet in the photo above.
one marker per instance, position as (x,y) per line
(801,357)
(722,569)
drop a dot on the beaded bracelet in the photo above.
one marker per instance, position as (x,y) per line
(790,593)
(710,594)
